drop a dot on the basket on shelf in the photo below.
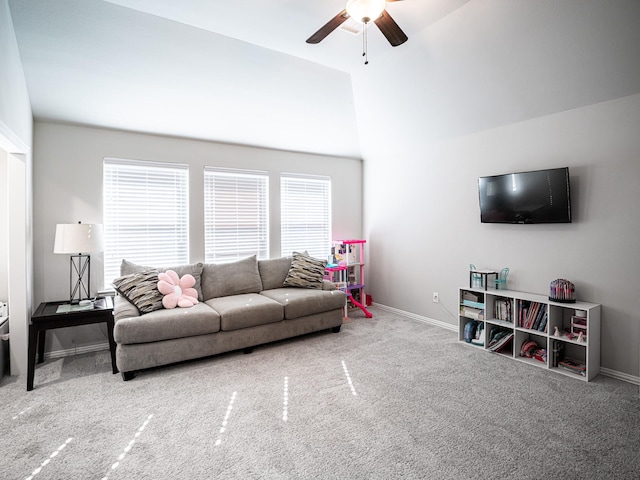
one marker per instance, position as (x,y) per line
(562,290)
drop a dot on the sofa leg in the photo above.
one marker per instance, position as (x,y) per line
(126,376)
(247,350)
(336,329)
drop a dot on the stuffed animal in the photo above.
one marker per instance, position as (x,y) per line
(178,292)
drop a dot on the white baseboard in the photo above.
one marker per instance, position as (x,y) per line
(419,318)
(69,352)
(625,377)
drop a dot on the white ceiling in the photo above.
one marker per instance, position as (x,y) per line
(284,25)
(233,71)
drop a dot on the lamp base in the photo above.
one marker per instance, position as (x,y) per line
(79,278)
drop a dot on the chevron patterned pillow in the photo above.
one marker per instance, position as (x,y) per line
(141,289)
(305,272)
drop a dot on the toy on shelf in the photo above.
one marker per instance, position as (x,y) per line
(346,270)
(562,290)
(500,283)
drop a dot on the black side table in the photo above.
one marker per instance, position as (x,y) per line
(47,316)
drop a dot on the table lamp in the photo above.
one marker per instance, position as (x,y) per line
(77,240)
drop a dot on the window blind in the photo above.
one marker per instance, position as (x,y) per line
(305,215)
(236,214)
(146,214)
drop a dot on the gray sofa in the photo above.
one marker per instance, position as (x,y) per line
(242,304)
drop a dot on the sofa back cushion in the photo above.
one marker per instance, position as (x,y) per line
(195,269)
(235,278)
(273,272)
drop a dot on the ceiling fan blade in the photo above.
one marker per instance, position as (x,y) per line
(330,26)
(390,29)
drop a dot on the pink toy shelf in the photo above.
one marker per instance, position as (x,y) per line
(346,271)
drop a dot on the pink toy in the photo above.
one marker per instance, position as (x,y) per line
(178,292)
(367,313)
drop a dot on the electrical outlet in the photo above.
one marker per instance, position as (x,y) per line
(436,297)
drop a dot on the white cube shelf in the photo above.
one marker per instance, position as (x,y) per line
(508,319)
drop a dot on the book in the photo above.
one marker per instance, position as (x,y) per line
(502,310)
(531,316)
(543,323)
(541,313)
(573,366)
(471,312)
(472,297)
(469,303)
(500,339)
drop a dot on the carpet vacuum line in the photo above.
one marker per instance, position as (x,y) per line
(346,372)
(46,462)
(285,400)
(127,449)
(223,426)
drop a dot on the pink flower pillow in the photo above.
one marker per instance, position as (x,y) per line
(178,292)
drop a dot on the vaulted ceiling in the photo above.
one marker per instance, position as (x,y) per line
(231,71)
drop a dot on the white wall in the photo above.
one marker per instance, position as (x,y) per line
(496,87)
(4,212)
(68,188)
(15,178)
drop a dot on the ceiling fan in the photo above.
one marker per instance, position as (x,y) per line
(364,11)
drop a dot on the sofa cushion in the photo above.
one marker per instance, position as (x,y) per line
(195,269)
(167,324)
(305,271)
(273,272)
(299,302)
(246,310)
(235,278)
(141,289)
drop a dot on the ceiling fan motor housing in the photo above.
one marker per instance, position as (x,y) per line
(365,11)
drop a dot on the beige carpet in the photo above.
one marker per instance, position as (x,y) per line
(385,398)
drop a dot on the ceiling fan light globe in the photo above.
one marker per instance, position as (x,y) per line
(365,11)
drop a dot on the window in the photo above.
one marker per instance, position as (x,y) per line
(146,209)
(305,214)
(236,218)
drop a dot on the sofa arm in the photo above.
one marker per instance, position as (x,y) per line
(123,308)
(327,285)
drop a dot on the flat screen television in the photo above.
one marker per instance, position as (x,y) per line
(540,196)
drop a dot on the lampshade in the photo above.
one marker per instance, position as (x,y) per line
(73,238)
(365,11)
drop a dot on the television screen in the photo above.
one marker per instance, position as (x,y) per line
(540,196)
